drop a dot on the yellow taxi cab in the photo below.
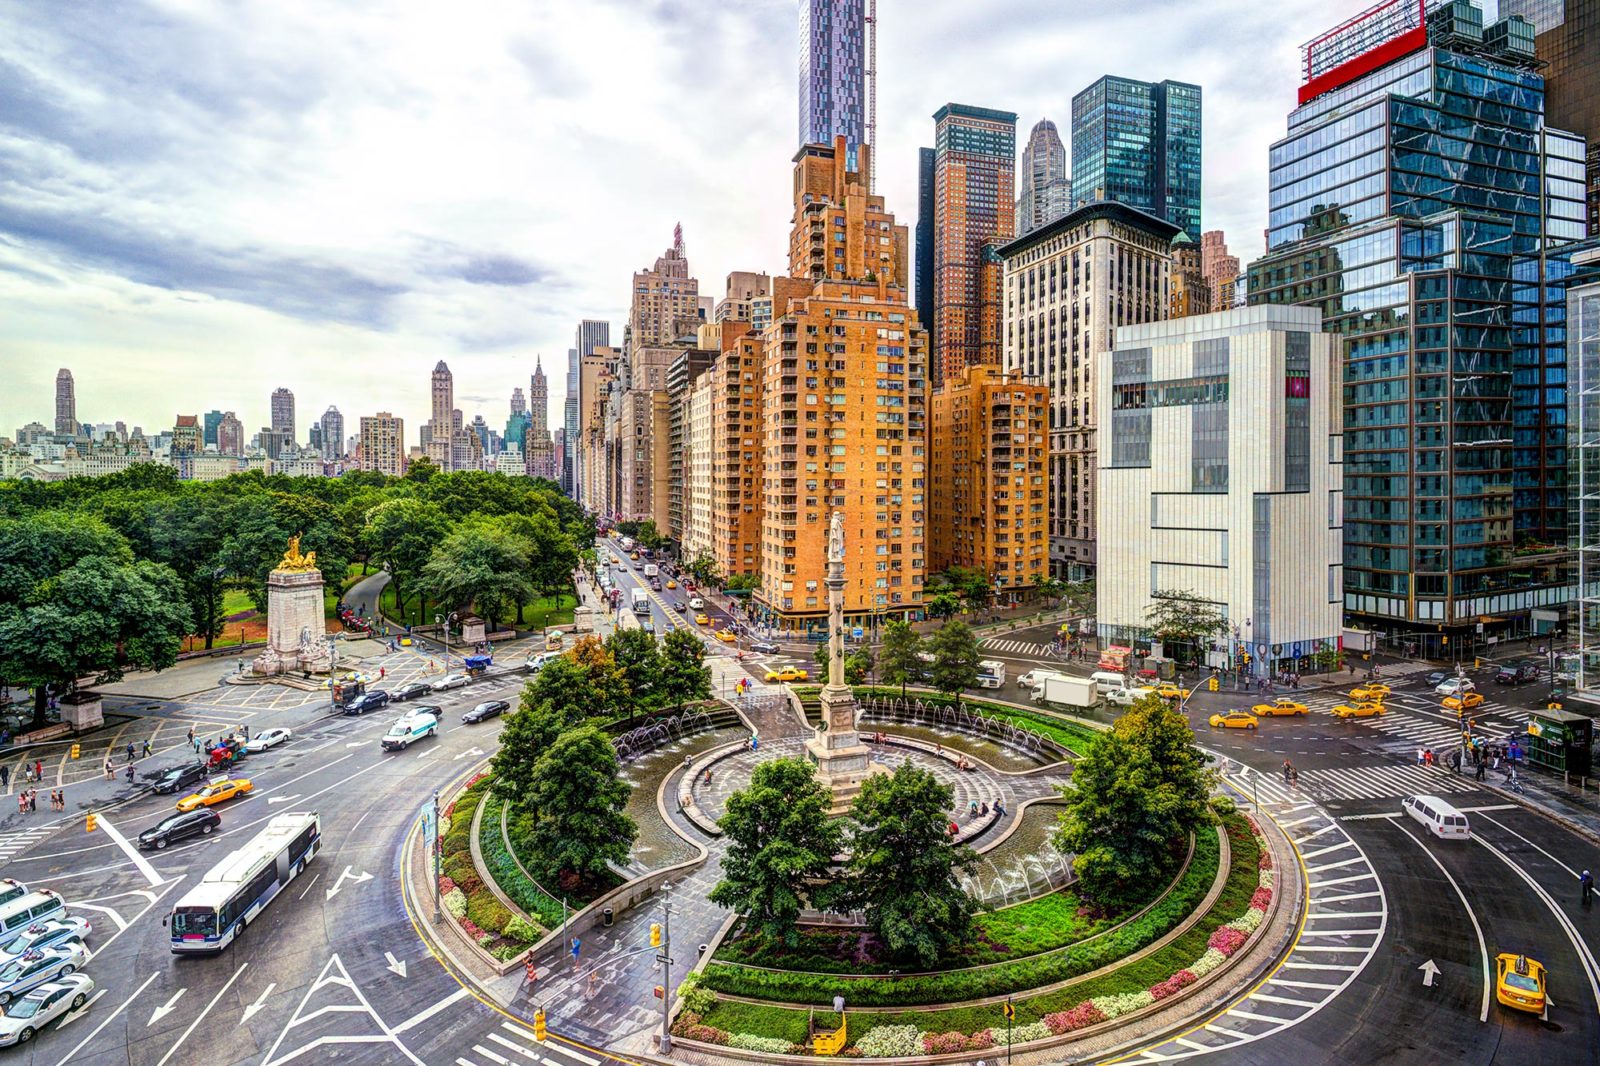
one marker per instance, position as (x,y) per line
(1519,982)
(702,620)
(788,673)
(672,584)
(1280,706)
(726,635)
(1168,691)
(216,793)
(634,555)
(1358,710)
(1233,720)
(1371,692)
(1466,701)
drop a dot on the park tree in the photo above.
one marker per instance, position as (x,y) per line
(477,568)
(400,535)
(609,684)
(955,659)
(567,686)
(944,605)
(703,567)
(75,603)
(904,868)
(544,712)
(683,677)
(420,470)
(187,532)
(900,656)
(638,659)
(574,807)
(1182,617)
(781,844)
(1135,797)
(857,664)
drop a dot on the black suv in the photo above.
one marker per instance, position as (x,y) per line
(180,777)
(486,710)
(1517,675)
(180,827)
(370,701)
(410,689)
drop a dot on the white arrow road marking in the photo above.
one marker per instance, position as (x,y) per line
(136,993)
(395,965)
(115,917)
(283,799)
(166,1008)
(140,863)
(72,1016)
(346,875)
(469,751)
(1429,972)
(261,1001)
(173,1050)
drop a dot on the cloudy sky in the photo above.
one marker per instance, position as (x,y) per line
(202,201)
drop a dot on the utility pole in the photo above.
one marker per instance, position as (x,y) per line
(666,969)
(433,858)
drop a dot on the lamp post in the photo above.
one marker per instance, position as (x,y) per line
(1183,700)
(434,857)
(447,622)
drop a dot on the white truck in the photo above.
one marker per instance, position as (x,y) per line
(1062,691)
(651,570)
(991,673)
(641,601)
(414,726)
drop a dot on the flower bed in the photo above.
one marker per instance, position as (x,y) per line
(1240,908)
(503,868)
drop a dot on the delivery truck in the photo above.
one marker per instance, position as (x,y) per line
(641,601)
(1057,690)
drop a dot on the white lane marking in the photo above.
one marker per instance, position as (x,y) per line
(173,1050)
(1483,950)
(491,1056)
(1324,851)
(1591,969)
(96,1031)
(302,895)
(518,1048)
(423,1015)
(1531,844)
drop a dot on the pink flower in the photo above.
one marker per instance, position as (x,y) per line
(1082,1016)
(943,1043)
(1227,940)
(1179,980)
(1261,900)
(1266,860)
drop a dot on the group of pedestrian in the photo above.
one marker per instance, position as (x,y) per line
(28,800)
(1291,775)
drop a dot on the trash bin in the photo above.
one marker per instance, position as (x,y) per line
(607,917)
(702,950)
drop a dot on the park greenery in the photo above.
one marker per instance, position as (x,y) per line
(954,665)
(1136,796)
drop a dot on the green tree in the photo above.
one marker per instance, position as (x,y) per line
(74,603)
(781,844)
(610,685)
(575,802)
(543,713)
(568,687)
(401,535)
(1136,795)
(482,569)
(900,657)
(648,535)
(742,583)
(857,664)
(944,605)
(638,659)
(955,659)
(704,567)
(683,676)
(904,868)
(421,470)
(1182,617)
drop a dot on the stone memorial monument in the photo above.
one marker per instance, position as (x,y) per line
(295,628)
(843,762)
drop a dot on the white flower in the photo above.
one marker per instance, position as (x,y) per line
(1207,962)
(1123,1003)
(887,1041)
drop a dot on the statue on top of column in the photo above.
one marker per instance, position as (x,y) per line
(836,538)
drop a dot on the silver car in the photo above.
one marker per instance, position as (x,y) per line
(42,1006)
(33,968)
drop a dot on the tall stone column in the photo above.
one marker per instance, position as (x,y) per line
(843,762)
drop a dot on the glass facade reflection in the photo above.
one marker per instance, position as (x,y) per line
(1422,208)
(1138,142)
(833,67)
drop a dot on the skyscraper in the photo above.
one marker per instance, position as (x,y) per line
(283,412)
(1139,142)
(1568,42)
(973,204)
(1044,191)
(1545,15)
(332,434)
(833,72)
(230,435)
(539,401)
(1220,269)
(383,443)
(66,404)
(213,419)
(442,424)
(924,250)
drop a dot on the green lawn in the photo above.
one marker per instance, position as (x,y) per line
(236,600)
(544,612)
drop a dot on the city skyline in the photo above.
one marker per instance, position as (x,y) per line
(376,282)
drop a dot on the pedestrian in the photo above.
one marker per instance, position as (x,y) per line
(1422,756)
(1294,777)
(38,770)
(1586,888)
(5,776)
(1481,767)
(247,733)
(146,747)
(191,737)
(33,800)
(130,751)
(108,768)
(22,801)
(130,773)
(1288,767)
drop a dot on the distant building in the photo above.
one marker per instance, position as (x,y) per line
(1138,142)
(283,413)
(383,444)
(66,404)
(1044,181)
(833,72)
(1191,292)
(1568,42)
(213,419)
(1223,458)
(187,436)
(927,208)
(1220,269)
(230,435)
(332,444)
(441,426)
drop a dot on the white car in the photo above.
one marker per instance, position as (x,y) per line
(449,681)
(1455,686)
(269,738)
(1127,697)
(1035,677)
(45,933)
(28,971)
(538,662)
(24,1018)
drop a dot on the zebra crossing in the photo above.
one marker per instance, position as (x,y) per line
(1024,648)
(1351,783)
(13,843)
(1422,724)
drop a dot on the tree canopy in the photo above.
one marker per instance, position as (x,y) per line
(1183,617)
(574,806)
(955,658)
(900,656)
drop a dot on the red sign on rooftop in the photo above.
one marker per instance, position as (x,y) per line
(1378,36)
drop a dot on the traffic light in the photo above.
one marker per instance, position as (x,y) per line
(89,823)
(74,751)
(655,934)
(1212,684)
(538,1025)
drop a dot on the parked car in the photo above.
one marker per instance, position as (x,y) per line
(411,690)
(450,681)
(269,738)
(27,972)
(177,778)
(486,710)
(23,1019)
(213,794)
(176,827)
(367,701)
(47,932)
(1519,674)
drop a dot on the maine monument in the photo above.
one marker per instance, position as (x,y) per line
(295,629)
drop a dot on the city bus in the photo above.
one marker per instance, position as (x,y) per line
(211,914)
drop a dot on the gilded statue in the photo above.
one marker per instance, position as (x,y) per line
(293,560)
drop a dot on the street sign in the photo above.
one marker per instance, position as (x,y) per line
(430,828)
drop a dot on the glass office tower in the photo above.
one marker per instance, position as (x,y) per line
(1418,201)
(833,73)
(1139,142)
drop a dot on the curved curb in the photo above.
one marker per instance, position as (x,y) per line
(1521,800)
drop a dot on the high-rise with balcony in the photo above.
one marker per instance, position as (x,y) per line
(843,383)
(66,404)
(383,444)
(1044,181)
(1139,142)
(974,174)
(833,72)
(1422,204)
(283,413)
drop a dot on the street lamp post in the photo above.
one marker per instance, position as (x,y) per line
(434,857)
(1183,701)
(666,969)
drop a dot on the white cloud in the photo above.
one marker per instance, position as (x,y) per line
(200,202)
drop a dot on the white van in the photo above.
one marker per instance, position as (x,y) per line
(1106,681)
(24,910)
(422,722)
(1442,820)
(1127,697)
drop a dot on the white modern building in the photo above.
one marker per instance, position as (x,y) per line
(1220,473)
(1583,461)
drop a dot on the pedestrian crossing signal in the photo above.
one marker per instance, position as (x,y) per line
(538,1025)
(89,824)
(1212,684)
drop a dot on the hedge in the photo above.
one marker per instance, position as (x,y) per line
(487,912)
(1005,979)
(500,865)
(1075,738)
